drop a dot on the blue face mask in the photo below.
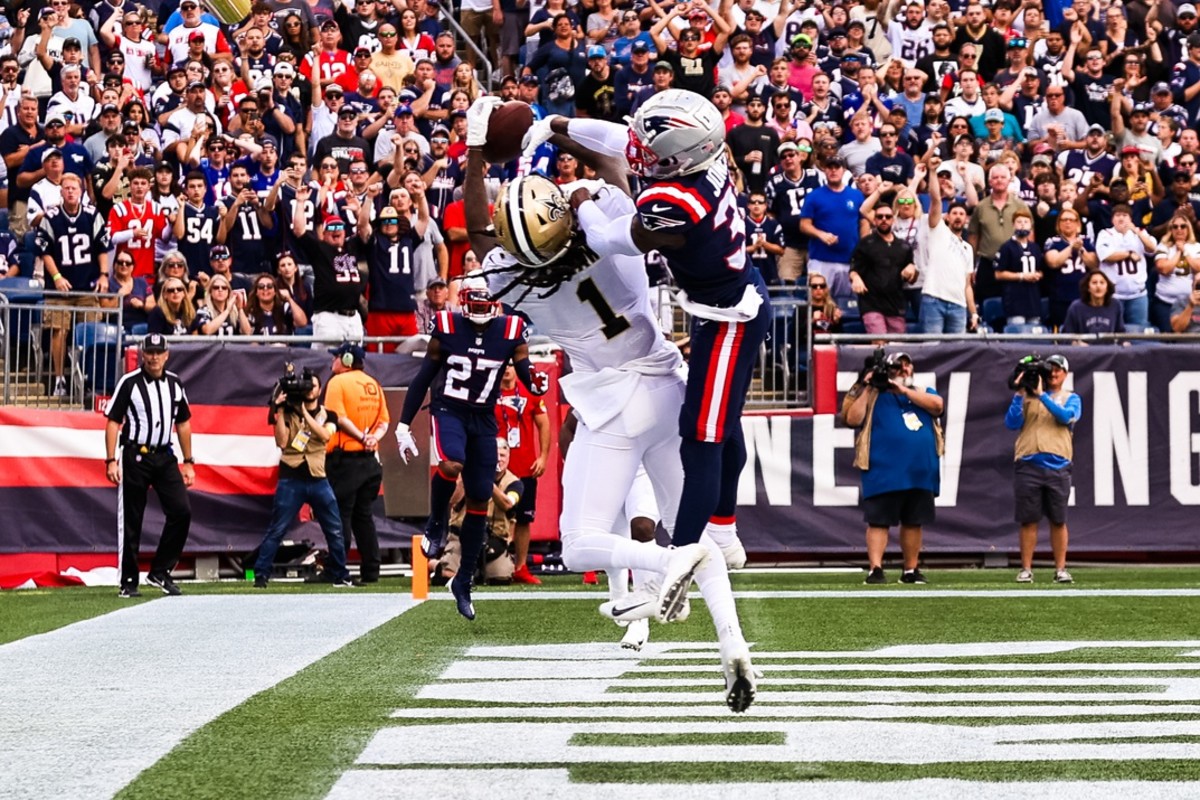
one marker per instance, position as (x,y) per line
(1021,233)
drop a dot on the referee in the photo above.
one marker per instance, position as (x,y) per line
(352,461)
(145,406)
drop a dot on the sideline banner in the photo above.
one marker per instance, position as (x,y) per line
(1136,471)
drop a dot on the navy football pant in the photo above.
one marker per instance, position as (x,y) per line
(469,439)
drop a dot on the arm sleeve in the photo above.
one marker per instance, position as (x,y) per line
(418,388)
(1066,414)
(524,370)
(605,236)
(1015,417)
(605,138)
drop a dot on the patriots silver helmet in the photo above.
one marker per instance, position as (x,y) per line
(674,133)
(476,299)
(533,220)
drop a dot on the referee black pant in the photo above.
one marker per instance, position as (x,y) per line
(355,478)
(139,473)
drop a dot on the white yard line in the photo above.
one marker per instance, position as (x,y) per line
(915,593)
(88,707)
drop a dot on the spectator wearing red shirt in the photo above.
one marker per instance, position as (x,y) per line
(522,421)
(137,223)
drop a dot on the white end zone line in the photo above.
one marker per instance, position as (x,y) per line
(837,594)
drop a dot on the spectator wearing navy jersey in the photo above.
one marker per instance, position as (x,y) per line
(1095,310)
(392,309)
(764,238)
(269,313)
(338,286)
(786,192)
(147,405)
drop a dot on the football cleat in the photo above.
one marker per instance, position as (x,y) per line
(638,604)
(740,686)
(735,554)
(461,589)
(677,580)
(636,634)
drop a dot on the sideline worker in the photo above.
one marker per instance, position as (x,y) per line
(146,405)
(353,459)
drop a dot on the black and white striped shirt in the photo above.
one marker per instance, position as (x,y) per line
(149,408)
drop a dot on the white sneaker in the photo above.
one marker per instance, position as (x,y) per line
(740,686)
(638,604)
(1062,576)
(60,386)
(735,554)
(636,634)
(1024,576)
(677,580)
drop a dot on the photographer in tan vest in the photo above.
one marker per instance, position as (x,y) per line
(1045,414)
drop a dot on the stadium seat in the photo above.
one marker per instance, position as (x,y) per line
(96,356)
(993,313)
(1026,328)
(23,322)
(140,329)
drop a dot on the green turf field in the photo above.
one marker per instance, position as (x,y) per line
(986,686)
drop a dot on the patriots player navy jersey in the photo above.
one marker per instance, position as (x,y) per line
(474,359)
(702,208)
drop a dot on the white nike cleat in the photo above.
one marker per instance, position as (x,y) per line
(637,633)
(677,580)
(740,686)
(735,554)
(638,604)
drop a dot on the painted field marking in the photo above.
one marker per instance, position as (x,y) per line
(917,593)
(89,706)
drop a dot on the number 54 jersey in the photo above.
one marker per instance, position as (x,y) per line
(475,357)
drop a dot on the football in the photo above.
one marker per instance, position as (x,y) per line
(506,128)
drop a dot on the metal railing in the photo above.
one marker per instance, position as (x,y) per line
(484,63)
(782,378)
(60,349)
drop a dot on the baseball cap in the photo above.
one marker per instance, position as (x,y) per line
(1130,150)
(894,359)
(663,65)
(940,24)
(1096,129)
(439,130)
(352,349)
(836,32)
(130,126)
(347,112)
(597,51)
(268,139)
(109,108)
(334,88)
(155,343)
(1059,361)
(195,36)
(1141,108)
(801,40)
(362,51)
(945,169)
(1043,159)
(49,153)
(404,110)
(332,219)
(195,85)
(71,43)
(532,80)
(835,161)
(458,112)
(993,115)
(178,69)
(788,147)
(329,24)
(284,68)
(387,212)
(857,22)
(435,282)
(1185,9)
(218,251)
(639,47)
(264,82)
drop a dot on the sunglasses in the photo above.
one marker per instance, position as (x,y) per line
(55,124)
(789,154)
(883,217)
(905,201)
(335,226)
(292,24)
(219,289)
(1178,227)
(758,202)
(387,36)
(262,286)
(818,286)
(173,290)
(174,264)
(329,166)
(124,262)
(357,171)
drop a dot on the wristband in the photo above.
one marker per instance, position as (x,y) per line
(189,461)
(108,461)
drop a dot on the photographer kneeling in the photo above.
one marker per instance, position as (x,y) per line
(302,428)
(1045,415)
(897,447)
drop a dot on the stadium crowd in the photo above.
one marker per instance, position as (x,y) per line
(908,161)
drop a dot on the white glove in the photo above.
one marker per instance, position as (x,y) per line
(404,438)
(477,119)
(538,134)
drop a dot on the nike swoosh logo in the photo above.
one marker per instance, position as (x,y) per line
(657,209)
(616,612)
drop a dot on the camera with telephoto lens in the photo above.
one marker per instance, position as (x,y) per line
(295,386)
(877,365)
(1028,372)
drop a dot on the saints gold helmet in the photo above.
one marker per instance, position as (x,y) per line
(533,220)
